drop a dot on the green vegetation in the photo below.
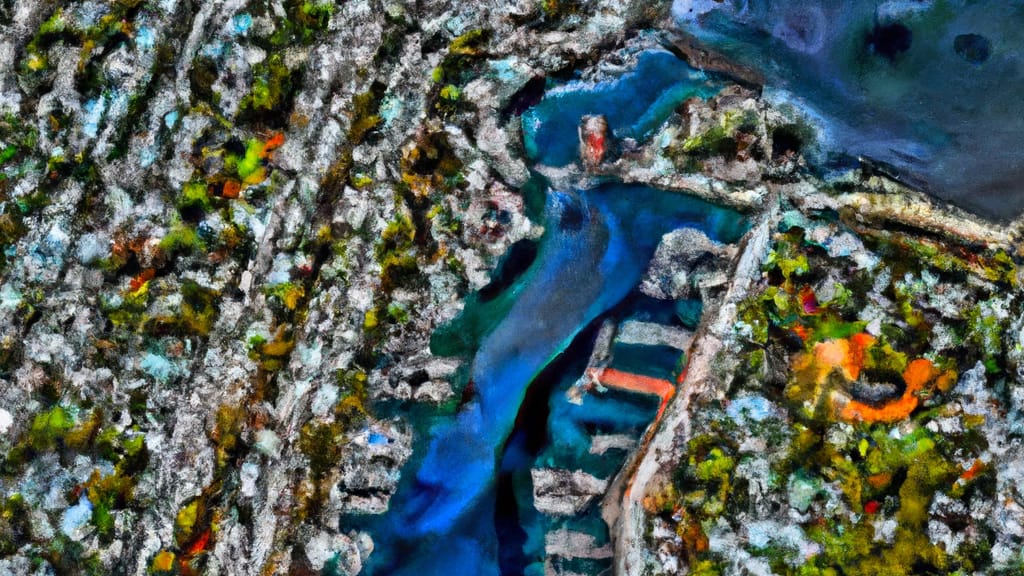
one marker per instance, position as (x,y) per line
(462,52)
(271,355)
(735,134)
(843,462)
(273,89)
(455,70)
(69,431)
(194,195)
(288,294)
(304,22)
(365,117)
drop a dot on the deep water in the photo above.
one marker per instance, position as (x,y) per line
(596,247)
(928,91)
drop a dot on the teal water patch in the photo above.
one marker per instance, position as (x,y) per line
(145,39)
(634,104)
(158,367)
(241,23)
(655,361)
(689,312)
(572,428)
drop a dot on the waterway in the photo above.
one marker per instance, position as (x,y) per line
(596,246)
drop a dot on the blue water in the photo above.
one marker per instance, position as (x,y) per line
(931,88)
(656,361)
(596,246)
(634,104)
(571,429)
(559,435)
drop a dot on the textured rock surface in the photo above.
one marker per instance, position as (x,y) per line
(228,230)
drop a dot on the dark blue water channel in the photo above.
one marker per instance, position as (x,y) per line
(595,248)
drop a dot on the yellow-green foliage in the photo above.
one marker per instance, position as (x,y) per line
(558,9)
(303,22)
(461,54)
(365,116)
(198,312)
(865,473)
(788,259)
(398,234)
(198,308)
(354,398)
(272,86)
(186,519)
(48,427)
(719,140)
(227,433)
(716,466)
(17,140)
(289,294)
(396,253)
(248,164)
(398,313)
(450,98)
(704,483)
(273,354)
(195,195)
(984,332)
(56,428)
(907,252)
(15,524)
(321,443)
(181,238)
(707,568)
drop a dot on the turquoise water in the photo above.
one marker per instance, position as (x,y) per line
(634,104)
(595,248)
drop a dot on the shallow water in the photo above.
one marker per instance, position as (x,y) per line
(634,104)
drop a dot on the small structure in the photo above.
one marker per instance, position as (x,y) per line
(594,140)
(602,371)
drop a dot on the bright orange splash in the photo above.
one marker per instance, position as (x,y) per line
(275,142)
(232,188)
(845,354)
(848,356)
(138,283)
(918,374)
(613,378)
(199,545)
